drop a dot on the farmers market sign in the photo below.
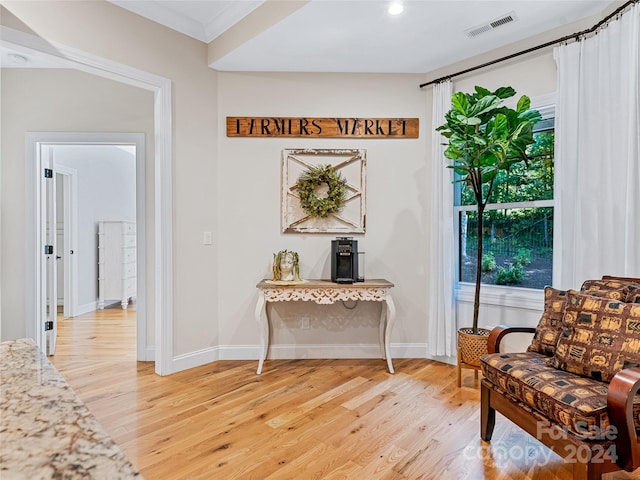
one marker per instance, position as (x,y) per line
(322,127)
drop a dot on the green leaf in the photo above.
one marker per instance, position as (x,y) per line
(525,134)
(532,116)
(504,92)
(452,153)
(516,154)
(501,121)
(489,174)
(459,143)
(489,158)
(523,104)
(482,92)
(460,102)
(463,172)
(484,105)
(469,120)
(511,115)
(522,132)
(500,127)
(479,140)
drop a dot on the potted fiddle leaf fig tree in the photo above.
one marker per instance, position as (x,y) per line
(483,137)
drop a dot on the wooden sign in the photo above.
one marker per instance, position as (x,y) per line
(322,127)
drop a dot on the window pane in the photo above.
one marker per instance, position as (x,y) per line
(517,247)
(521,184)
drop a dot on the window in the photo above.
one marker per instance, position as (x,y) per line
(518,220)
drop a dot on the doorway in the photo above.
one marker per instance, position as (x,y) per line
(103,159)
(160,236)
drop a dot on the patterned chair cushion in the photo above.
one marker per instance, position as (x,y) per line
(615,289)
(600,336)
(634,294)
(550,324)
(576,403)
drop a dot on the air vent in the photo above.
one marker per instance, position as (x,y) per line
(498,22)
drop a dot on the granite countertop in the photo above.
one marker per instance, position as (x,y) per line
(46,431)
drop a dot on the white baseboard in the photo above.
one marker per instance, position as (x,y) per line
(400,350)
(444,359)
(86,308)
(252,352)
(149,355)
(239,352)
(92,307)
(194,359)
(409,350)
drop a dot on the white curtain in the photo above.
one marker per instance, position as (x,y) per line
(597,192)
(442,328)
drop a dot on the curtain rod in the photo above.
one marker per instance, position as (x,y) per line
(575,36)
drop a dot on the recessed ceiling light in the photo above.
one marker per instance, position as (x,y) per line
(18,59)
(395,8)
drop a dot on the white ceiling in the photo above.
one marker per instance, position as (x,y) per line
(357,35)
(200,19)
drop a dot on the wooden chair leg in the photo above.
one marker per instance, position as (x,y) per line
(459,369)
(487,413)
(587,471)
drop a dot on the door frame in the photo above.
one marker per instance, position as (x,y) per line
(162,267)
(39,143)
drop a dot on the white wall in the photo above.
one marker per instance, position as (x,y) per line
(120,36)
(249,217)
(106,191)
(55,100)
(397,235)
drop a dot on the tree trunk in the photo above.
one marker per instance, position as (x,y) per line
(476,299)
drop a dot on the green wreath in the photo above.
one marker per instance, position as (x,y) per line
(310,180)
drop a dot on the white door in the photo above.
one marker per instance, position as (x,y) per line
(60,240)
(49,278)
(67,238)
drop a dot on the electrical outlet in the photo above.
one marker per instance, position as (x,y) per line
(304,323)
(207,238)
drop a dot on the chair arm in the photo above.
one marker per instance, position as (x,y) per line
(622,389)
(499,332)
(623,279)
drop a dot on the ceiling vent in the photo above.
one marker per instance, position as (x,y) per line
(498,22)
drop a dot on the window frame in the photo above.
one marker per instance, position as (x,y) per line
(503,295)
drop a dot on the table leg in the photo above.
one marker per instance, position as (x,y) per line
(391,318)
(382,329)
(263,325)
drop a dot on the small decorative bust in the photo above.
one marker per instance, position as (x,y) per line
(286,266)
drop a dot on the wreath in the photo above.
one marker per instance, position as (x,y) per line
(310,180)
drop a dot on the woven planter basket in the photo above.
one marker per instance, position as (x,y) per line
(472,345)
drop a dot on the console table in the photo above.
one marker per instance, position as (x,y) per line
(325,292)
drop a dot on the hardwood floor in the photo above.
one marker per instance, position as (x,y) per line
(302,419)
